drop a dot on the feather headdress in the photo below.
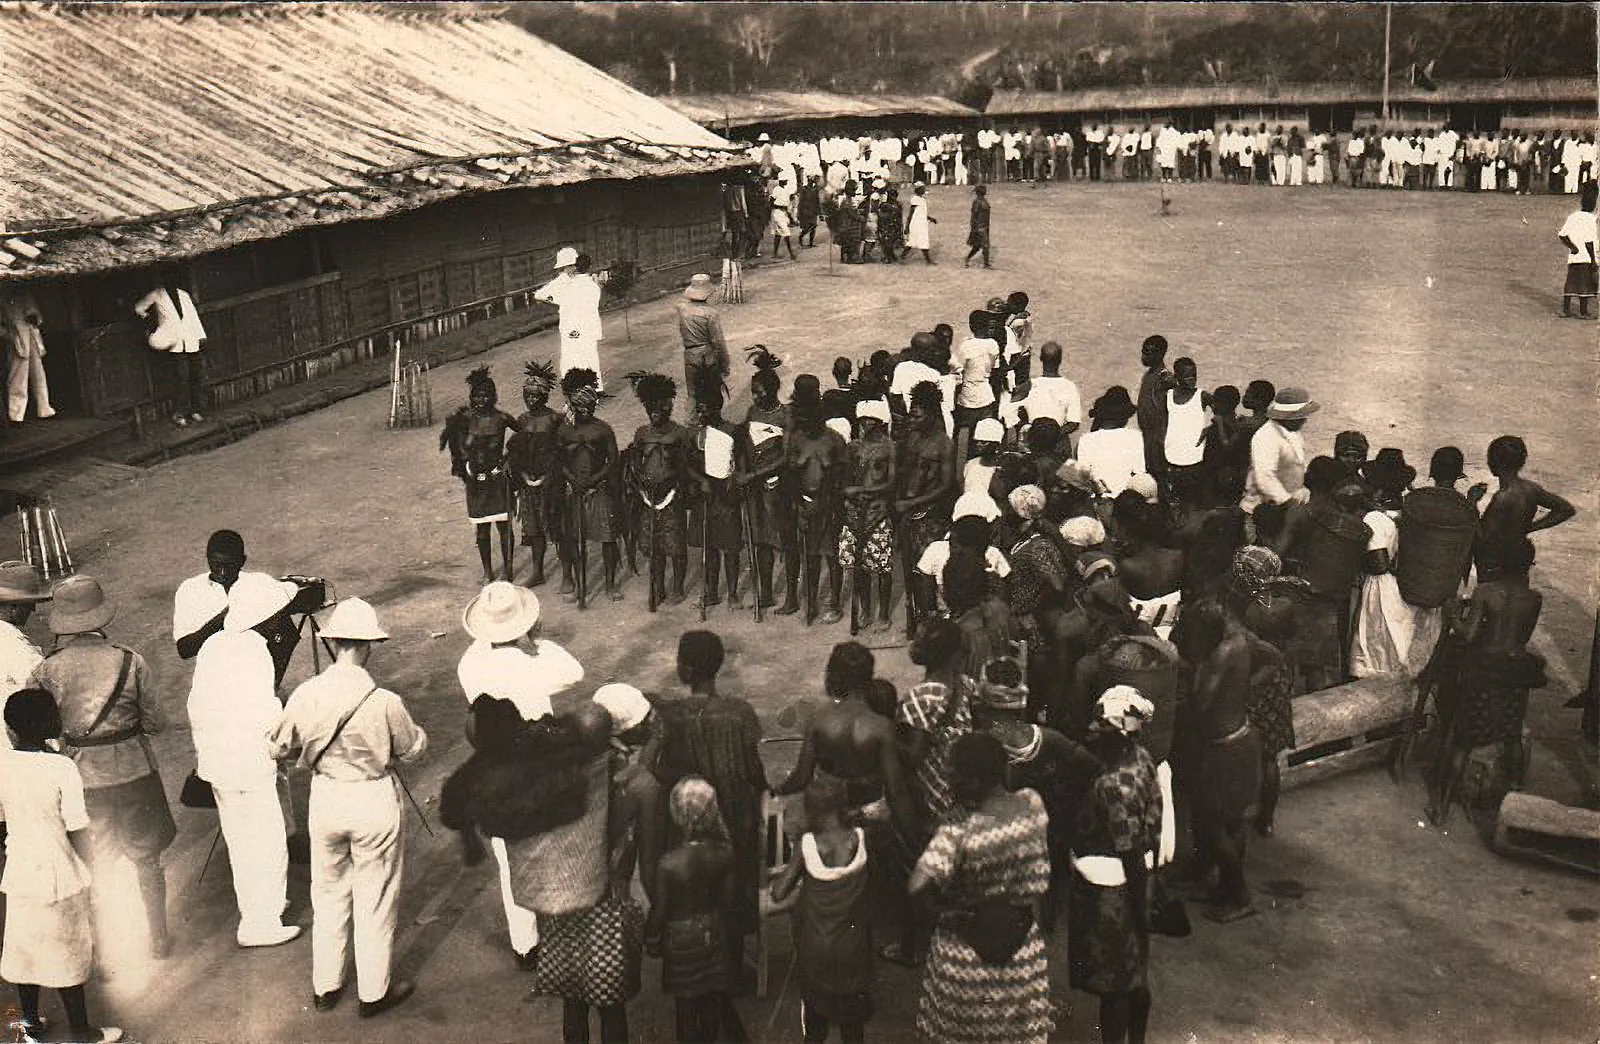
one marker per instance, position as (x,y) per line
(479,377)
(762,358)
(652,387)
(539,375)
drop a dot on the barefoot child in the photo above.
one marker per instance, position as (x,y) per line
(48,933)
(833,947)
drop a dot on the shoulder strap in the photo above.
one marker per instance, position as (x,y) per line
(116,690)
(339,728)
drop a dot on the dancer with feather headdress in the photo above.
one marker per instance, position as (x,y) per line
(657,474)
(475,435)
(590,465)
(532,458)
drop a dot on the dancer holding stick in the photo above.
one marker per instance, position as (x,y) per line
(815,457)
(475,435)
(718,461)
(659,456)
(590,464)
(762,445)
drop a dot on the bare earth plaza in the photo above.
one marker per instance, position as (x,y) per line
(703,782)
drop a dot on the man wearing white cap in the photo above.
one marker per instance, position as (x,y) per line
(232,704)
(349,733)
(509,661)
(577,295)
(1278,452)
(978,472)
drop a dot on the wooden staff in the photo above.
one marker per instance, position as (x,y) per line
(394,387)
(27,535)
(66,549)
(805,562)
(58,542)
(748,525)
(581,567)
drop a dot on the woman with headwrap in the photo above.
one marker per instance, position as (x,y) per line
(696,888)
(1270,613)
(1037,590)
(531,458)
(475,435)
(988,867)
(589,467)
(1114,843)
(656,474)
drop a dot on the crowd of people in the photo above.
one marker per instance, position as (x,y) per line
(1113,610)
(1517,160)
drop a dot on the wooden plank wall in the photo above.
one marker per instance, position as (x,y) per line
(379,273)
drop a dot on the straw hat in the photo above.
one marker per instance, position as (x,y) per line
(80,606)
(502,612)
(1292,404)
(256,598)
(699,288)
(353,620)
(566,257)
(21,582)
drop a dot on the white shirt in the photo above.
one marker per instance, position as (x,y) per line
(41,801)
(908,375)
(198,600)
(974,360)
(937,555)
(976,476)
(1580,228)
(233,704)
(1056,398)
(1277,466)
(18,658)
(508,672)
(578,297)
(1113,456)
(174,332)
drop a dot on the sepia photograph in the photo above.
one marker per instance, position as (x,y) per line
(710,522)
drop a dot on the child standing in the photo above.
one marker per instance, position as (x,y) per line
(695,890)
(833,947)
(48,935)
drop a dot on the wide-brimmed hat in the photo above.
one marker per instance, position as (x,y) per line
(80,605)
(502,612)
(699,288)
(1292,404)
(22,582)
(256,598)
(566,257)
(354,620)
(764,136)
(1388,471)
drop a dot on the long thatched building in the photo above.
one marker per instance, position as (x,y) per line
(318,176)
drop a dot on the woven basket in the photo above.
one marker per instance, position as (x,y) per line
(1151,666)
(1436,531)
(564,870)
(1330,557)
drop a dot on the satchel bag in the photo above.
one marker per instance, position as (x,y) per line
(196,792)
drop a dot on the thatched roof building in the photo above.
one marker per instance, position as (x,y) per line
(817,111)
(163,134)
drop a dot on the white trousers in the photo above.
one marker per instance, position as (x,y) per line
(522,924)
(1297,170)
(258,852)
(27,371)
(357,852)
(581,353)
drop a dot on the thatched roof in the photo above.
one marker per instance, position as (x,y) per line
(1121,99)
(133,133)
(742,110)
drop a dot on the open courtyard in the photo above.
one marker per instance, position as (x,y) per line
(1421,319)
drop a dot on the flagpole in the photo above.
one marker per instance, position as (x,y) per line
(1388,20)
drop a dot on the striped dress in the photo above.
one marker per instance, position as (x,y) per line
(974,857)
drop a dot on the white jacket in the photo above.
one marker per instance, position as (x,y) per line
(178,326)
(233,704)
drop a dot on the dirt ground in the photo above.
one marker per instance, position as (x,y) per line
(1420,319)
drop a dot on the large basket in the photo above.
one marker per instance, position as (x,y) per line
(1436,531)
(1330,558)
(1150,665)
(564,870)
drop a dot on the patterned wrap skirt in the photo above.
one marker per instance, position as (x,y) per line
(1272,713)
(871,550)
(694,956)
(1109,950)
(968,1001)
(593,955)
